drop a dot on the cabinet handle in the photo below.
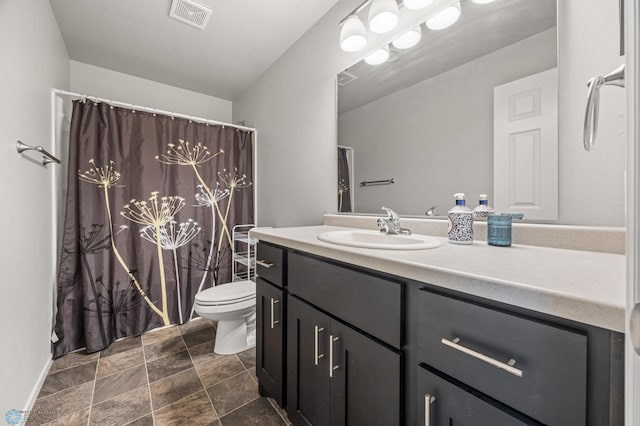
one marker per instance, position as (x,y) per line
(508,366)
(316,355)
(273,320)
(331,366)
(428,400)
(264,263)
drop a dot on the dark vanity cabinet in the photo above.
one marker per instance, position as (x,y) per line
(344,345)
(271,323)
(443,403)
(500,365)
(338,373)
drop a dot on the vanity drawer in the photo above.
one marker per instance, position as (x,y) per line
(548,380)
(269,263)
(368,302)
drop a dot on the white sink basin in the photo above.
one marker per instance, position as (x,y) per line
(378,240)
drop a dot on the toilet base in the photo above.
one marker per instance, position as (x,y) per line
(235,335)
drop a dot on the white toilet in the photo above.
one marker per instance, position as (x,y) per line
(233,305)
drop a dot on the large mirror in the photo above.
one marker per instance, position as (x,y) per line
(420,127)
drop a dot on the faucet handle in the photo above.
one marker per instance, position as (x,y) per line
(393,216)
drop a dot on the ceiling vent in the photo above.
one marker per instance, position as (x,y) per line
(190,12)
(345,78)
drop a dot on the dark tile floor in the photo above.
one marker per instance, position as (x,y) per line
(165,377)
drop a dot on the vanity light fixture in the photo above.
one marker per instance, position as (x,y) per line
(353,35)
(482,1)
(417,4)
(378,56)
(408,39)
(383,16)
(445,18)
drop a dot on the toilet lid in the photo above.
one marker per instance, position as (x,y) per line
(224,294)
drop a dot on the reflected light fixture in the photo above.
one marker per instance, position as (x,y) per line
(353,35)
(383,16)
(482,1)
(378,57)
(408,39)
(445,18)
(418,4)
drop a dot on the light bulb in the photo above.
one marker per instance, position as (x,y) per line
(353,35)
(378,57)
(383,16)
(445,18)
(417,4)
(408,39)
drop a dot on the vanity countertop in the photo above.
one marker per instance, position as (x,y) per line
(583,286)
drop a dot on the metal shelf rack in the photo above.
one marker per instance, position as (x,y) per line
(243,266)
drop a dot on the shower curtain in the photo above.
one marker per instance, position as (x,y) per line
(344,191)
(150,207)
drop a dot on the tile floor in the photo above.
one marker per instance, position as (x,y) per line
(165,377)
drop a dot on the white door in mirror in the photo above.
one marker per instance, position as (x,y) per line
(525,146)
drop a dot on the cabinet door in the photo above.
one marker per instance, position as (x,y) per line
(269,340)
(307,364)
(365,382)
(441,403)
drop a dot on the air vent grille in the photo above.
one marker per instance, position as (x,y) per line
(190,12)
(345,78)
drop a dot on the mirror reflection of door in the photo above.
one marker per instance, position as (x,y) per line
(345,179)
(426,116)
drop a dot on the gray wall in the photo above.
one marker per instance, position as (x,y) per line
(591,183)
(293,107)
(91,80)
(34,61)
(436,137)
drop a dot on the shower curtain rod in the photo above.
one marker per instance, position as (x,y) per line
(345,147)
(151,110)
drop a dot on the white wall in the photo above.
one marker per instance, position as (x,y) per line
(34,61)
(293,107)
(591,183)
(436,137)
(95,81)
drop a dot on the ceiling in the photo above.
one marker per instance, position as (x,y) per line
(242,39)
(481,29)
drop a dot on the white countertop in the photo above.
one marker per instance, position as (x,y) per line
(583,286)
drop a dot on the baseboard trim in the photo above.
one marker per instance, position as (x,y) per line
(38,385)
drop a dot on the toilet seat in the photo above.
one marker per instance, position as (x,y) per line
(227,294)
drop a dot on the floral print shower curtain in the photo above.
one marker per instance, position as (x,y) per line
(151,203)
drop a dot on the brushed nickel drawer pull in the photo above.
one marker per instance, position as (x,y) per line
(273,320)
(317,355)
(264,263)
(331,366)
(508,366)
(428,400)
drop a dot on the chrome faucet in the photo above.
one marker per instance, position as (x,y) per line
(431,211)
(391,223)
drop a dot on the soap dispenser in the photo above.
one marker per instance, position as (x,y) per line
(483,209)
(460,222)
